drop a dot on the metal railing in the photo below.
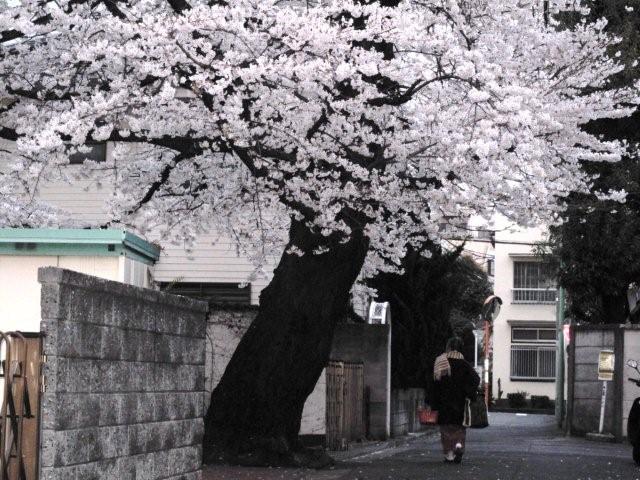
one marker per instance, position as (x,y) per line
(533,362)
(534,295)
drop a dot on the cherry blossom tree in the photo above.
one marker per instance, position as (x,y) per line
(362,127)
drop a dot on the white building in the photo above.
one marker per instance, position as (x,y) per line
(523,341)
(524,334)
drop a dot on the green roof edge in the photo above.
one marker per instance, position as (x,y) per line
(62,239)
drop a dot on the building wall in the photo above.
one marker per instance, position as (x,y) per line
(513,314)
(212,258)
(370,345)
(404,411)
(587,389)
(124,381)
(20,292)
(225,328)
(630,391)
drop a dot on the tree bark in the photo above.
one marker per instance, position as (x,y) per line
(256,409)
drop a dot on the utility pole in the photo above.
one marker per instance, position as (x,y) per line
(560,358)
(490,311)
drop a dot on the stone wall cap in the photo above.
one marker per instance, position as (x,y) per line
(69,277)
(218,307)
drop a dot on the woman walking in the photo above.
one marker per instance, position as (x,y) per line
(454,381)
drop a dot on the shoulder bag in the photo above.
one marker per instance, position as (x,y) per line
(475,413)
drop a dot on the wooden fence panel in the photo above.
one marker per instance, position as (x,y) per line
(345,404)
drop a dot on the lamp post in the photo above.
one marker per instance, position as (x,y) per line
(490,311)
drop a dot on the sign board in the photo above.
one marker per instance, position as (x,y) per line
(606,363)
(379,313)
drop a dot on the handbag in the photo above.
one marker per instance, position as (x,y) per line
(427,416)
(475,413)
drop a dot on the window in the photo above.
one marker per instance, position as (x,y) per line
(491,267)
(97,153)
(529,334)
(211,292)
(533,282)
(533,354)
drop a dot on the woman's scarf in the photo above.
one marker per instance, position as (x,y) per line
(442,367)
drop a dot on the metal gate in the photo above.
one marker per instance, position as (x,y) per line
(20,376)
(345,404)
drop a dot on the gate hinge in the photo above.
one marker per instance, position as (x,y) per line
(43,358)
(43,387)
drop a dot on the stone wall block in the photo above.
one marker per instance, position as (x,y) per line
(50,372)
(79,340)
(51,301)
(589,338)
(191,325)
(587,355)
(48,447)
(79,306)
(112,343)
(586,372)
(49,330)
(124,381)
(102,312)
(179,349)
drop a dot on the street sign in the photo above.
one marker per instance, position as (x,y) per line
(606,363)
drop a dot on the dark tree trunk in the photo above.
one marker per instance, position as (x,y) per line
(255,411)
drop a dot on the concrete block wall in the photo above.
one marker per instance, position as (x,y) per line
(404,411)
(124,381)
(225,327)
(630,390)
(587,389)
(370,345)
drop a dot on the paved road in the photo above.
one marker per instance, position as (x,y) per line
(513,448)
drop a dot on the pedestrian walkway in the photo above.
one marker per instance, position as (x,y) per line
(513,448)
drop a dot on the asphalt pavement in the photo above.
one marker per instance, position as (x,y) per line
(514,447)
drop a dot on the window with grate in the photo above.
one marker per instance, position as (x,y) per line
(533,354)
(533,282)
(231,293)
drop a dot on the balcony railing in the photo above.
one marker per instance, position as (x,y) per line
(534,295)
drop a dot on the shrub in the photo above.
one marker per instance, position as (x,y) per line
(517,399)
(540,401)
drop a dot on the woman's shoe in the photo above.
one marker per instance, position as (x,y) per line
(457,453)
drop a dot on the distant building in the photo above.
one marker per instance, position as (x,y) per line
(524,334)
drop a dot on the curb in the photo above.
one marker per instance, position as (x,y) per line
(369,448)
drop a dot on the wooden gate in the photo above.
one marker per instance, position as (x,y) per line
(20,380)
(345,404)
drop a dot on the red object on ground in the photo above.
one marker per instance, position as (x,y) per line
(427,416)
